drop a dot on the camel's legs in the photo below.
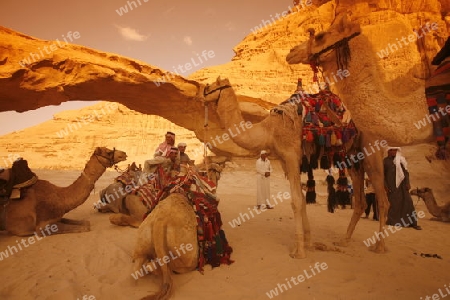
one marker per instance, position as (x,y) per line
(302,229)
(376,174)
(360,203)
(373,165)
(74,222)
(27,227)
(48,228)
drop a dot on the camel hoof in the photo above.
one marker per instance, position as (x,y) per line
(298,255)
(378,250)
(311,247)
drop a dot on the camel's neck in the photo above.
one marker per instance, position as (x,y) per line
(252,136)
(77,193)
(431,204)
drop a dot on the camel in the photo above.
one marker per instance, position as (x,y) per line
(131,208)
(276,133)
(180,238)
(169,231)
(440,213)
(213,173)
(111,197)
(283,136)
(45,204)
(437,89)
(343,36)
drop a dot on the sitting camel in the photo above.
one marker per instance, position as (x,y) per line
(440,213)
(182,233)
(213,172)
(111,197)
(169,231)
(131,208)
(44,203)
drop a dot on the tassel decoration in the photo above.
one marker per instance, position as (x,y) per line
(324,162)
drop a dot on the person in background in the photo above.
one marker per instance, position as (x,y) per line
(371,200)
(263,168)
(396,183)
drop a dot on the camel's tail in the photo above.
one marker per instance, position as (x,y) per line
(166,288)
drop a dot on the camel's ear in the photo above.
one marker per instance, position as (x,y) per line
(98,151)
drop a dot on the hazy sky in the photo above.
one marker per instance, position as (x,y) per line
(161,33)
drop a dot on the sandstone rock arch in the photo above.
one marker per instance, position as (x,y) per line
(79,73)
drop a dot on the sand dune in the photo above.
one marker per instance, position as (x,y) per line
(98,263)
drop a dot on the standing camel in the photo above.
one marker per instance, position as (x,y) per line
(45,203)
(282,133)
(331,50)
(276,132)
(437,90)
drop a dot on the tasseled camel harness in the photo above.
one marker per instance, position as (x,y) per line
(327,127)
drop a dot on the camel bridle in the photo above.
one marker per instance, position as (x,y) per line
(110,159)
(342,49)
(207,92)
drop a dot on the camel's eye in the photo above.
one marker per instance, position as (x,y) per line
(319,36)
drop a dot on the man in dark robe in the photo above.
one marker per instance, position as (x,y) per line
(396,182)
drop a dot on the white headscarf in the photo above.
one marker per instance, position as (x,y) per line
(399,160)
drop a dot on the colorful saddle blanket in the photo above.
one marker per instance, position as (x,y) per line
(326,124)
(214,247)
(323,111)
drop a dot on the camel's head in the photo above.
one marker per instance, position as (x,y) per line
(212,91)
(420,192)
(133,167)
(215,167)
(108,157)
(336,37)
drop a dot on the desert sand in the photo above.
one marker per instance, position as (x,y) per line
(97,264)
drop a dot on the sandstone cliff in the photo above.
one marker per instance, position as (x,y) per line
(258,71)
(67,141)
(385,88)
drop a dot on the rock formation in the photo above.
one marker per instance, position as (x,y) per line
(259,72)
(388,65)
(74,72)
(68,140)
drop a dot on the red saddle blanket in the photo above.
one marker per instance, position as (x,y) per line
(214,247)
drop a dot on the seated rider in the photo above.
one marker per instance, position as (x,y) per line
(182,156)
(171,166)
(164,148)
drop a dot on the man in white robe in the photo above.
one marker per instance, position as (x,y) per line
(263,168)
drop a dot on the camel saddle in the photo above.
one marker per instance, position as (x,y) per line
(14,179)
